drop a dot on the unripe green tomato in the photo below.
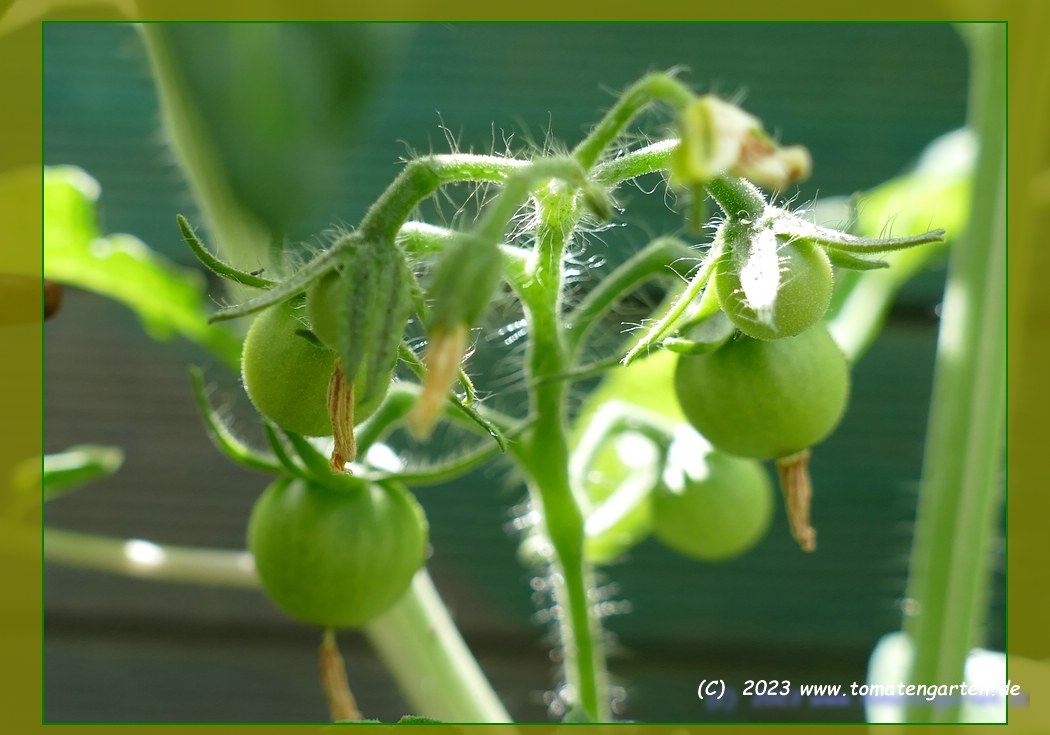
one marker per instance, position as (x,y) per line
(286,374)
(336,556)
(802,296)
(754,398)
(715,513)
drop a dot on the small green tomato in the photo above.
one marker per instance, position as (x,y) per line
(336,555)
(285,373)
(774,288)
(711,506)
(754,398)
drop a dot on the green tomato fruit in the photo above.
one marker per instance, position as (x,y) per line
(779,295)
(336,555)
(712,506)
(285,373)
(754,398)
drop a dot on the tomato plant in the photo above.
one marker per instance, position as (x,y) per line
(779,295)
(395,304)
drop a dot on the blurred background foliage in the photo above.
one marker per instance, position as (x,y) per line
(866,99)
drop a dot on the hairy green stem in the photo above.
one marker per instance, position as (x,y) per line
(673,313)
(646,160)
(416,638)
(544,454)
(738,198)
(963,462)
(665,256)
(421,177)
(648,89)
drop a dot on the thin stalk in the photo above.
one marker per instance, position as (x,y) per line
(421,177)
(544,454)
(662,257)
(961,485)
(738,198)
(435,670)
(646,160)
(641,94)
(416,638)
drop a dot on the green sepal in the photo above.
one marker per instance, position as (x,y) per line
(221,436)
(841,259)
(373,298)
(214,264)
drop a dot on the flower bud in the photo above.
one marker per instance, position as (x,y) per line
(719,138)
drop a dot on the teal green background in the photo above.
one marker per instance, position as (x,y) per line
(864,98)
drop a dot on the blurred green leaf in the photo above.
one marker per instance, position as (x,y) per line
(935,195)
(61,473)
(168,299)
(276,102)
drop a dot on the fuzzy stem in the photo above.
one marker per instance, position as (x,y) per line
(645,91)
(961,486)
(661,257)
(738,198)
(416,638)
(544,454)
(421,177)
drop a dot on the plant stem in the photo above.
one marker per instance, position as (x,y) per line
(421,177)
(652,87)
(961,486)
(665,256)
(435,670)
(646,160)
(739,199)
(544,454)
(416,638)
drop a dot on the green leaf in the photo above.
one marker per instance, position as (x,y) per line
(273,103)
(168,299)
(64,472)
